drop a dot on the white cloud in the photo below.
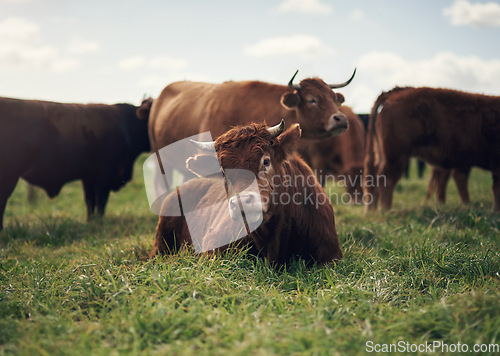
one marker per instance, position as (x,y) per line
(445,69)
(20,48)
(16,1)
(384,70)
(307,46)
(134,62)
(82,46)
(168,63)
(158,62)
(464,13)
(305,7)
(16,29)
(357,15)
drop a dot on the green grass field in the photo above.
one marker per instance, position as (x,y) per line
(417,274)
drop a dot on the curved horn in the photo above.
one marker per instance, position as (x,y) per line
(275,131)
(341,85)
(290,83)
(204,146)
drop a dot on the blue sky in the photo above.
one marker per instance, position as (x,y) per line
(117,51)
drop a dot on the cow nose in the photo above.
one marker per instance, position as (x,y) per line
(249,199)
(337,124)
(249,204)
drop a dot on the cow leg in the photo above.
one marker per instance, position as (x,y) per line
(431,186)
(442,177)
(90,197)
(407,169)
(461,178)
(6,189)
(170,235)
(370,190)
(172,231)
(387,178)
(437,183)
(421,168)
(496,190)
(102,200)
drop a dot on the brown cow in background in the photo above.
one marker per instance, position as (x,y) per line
(340,156)
(446,128)
(184,109)
(50,144)
(298,218)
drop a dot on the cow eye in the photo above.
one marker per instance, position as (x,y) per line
(265,162)
(313,101)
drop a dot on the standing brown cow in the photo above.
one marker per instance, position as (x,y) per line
(446,128)
(297,216)
(340,157)
(185,109)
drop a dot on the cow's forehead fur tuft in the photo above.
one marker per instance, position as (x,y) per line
(317,87)
(243,146)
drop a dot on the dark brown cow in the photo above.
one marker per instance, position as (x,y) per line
(445,128)
(184,109)
(49,144)
(298,217)
(340,157)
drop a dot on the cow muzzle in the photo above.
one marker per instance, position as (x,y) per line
(248,204)
(337,124)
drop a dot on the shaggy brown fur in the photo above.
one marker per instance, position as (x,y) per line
(305,229)
(446,128)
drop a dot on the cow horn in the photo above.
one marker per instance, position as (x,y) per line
(275,131)
(290,83)
(204,146)
(341,85)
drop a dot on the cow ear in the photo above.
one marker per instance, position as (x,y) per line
(142,111)
(203,165)
(290,100)
(289,140)
(339,99)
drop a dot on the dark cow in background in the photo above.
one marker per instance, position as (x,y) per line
(302,227)
(185,109)
(446,128)
(339,156)
(364,119)
(50,144)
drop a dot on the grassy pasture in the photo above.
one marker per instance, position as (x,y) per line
(418,273)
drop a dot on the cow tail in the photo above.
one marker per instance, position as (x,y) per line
(369,163)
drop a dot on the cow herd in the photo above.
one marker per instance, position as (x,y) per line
(289,139)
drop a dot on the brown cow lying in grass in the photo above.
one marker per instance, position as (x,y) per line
(296,215)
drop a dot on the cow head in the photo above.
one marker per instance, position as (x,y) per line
(317,106)
(258,149)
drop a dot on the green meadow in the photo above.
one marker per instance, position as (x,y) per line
(417,276)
